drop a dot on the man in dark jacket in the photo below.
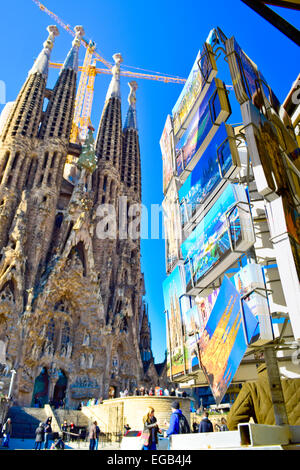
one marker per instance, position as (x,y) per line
(205,425)
(174,421)
(47,432)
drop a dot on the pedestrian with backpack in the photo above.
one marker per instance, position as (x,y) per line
(178,422)
(206,425)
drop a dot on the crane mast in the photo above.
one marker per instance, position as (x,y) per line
(85,91)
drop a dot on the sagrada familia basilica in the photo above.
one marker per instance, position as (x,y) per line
(73,320)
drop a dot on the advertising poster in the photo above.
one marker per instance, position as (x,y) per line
(222,344)
(173,290)
(194,322)
(249,281)
(172,226)
(167,151)
(202,73)
(224,229)
(213,109)
(220,160)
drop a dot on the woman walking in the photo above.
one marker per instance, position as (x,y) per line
(39,437)
(151,429)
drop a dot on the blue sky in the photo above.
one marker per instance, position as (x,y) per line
(161,35)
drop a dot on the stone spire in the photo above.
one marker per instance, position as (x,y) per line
(58,116)
(131,113)
(131,165)
(42,62)
(71,61)
(114,87)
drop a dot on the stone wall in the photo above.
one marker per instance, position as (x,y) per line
(113,414)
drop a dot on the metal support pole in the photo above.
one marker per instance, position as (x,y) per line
(277,397)
(280,23)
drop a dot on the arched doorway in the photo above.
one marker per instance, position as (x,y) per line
(40,389)
(112,392)
(60,389)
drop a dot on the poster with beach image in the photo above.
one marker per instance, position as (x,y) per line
(196,132)
(219,161)
(213,109)
(203,70)
(222,344)
(212,239)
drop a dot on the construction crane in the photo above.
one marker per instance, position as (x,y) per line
(85,91)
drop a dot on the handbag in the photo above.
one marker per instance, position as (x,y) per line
(145,436)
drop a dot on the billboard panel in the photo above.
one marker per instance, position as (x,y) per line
(201,75)
(222,344)
(212,111)
(173,290)
(217,240)
(167,150)
(172,226)
(219,161)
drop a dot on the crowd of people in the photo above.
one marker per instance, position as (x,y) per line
(178,425)
(154,391)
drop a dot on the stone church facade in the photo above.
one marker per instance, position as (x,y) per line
(73,322)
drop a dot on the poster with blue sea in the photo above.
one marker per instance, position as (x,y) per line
(212,239)
(195,83)
(222,345)
(196,132)
(215,163)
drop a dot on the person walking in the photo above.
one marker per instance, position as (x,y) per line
(47,432)
(223,426)
(151,430)
(97,436)
(93,435)
(7,430)
(174,420)
(65,429)
(39,437)
(205,424)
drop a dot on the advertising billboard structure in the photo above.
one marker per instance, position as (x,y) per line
(213,109)
(172,226)
(235,188)
(218,240)
(167,151)
(219,162)
(198,81)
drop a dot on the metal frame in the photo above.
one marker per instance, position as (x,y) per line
(273,18)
